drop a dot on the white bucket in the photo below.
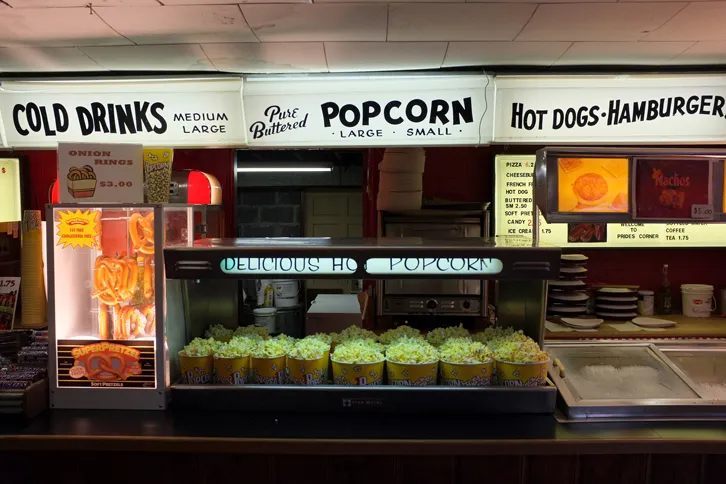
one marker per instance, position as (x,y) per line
(286,293)
(698,300)
(265,317)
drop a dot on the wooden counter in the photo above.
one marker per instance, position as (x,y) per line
(686,328)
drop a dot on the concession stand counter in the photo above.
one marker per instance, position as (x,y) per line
(215,266)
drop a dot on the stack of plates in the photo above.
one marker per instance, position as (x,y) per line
(567,296)
(616,303)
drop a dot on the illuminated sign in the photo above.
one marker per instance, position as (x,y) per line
(288,265)
(434,266)
(9,190)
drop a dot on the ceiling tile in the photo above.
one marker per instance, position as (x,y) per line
(702,53)
(384,56)
(698,21)
(77,3)
(179,25)
(503,53)
(307,23)
(45,59)
(55,27)
(221,2)
(451,22)
(267,58)
(187,57)
(597,21)
(622,53)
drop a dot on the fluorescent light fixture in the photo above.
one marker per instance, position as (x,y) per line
(284,169)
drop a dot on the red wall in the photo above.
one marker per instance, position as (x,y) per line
(217,162)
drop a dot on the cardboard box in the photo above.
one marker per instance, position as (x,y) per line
(82,188)
(330,313)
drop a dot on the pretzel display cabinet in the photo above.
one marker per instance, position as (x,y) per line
(108,299)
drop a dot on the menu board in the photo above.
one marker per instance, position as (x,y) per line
(513,206)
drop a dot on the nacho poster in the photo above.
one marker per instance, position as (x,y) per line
(598,185)
(666,189)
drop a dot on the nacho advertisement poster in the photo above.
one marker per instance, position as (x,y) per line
(667,189)
(597,185)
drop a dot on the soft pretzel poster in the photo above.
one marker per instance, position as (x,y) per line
(108,364)
(94,172)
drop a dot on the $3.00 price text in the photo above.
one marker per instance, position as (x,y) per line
(111,184)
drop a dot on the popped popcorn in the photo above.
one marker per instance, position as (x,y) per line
(219,333)
(352,333)
(464,351)
(237,347)
(358,351)
(324,337)
(308,349)
(287,341)
(392,335)
(253,331)
(270,348)
(201,347)
(494,336)
(411,351)
(520,352)
(439,335)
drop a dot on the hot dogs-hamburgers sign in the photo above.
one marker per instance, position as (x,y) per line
(368,112)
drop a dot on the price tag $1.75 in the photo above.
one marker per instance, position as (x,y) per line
(703,212)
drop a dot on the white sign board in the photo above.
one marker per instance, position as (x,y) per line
(424,266)
(10,190)
(168,113)
(377,111)
(612,109)
(107,173)
(288,265)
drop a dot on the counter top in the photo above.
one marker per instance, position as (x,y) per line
(142,431)
(686,327)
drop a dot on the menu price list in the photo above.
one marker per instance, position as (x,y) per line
(513,216)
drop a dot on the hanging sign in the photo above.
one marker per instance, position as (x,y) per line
(158,112)
(91,173)
(9,190)
(386,111)
(610,109)
(78,228)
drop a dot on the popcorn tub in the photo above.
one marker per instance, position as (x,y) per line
(412,375)
(510,374)
(232,371)
(466,374)
(307,372)
(268,371)
(358,373)
(196,370)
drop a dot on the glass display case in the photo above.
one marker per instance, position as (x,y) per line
(107,299)
(633,380)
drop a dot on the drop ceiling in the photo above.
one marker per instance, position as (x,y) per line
(294,36)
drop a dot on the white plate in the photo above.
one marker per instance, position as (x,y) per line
(567,283)
(617,315)
(567,309)
(645,322)
(573,257)
(618,308)
(622,299)
(616,290)
(569,296)
(572,270)
(581,323)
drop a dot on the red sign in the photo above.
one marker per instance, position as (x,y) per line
(667,189)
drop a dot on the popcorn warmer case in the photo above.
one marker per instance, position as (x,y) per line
(215,267)
(108,299)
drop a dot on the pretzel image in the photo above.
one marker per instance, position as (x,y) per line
(104,369)
(141,231)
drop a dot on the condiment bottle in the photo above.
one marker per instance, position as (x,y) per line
(664,297)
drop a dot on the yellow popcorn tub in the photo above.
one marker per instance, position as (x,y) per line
(466,374)
(232,371)
(196,370)
(307,372)
(521,374)
(412,375)
(268,371)
(358,373)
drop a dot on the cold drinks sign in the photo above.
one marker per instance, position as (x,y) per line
(368,112)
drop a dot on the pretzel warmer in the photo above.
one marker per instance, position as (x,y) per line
(108,300)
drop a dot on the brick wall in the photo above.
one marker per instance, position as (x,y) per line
(269,212)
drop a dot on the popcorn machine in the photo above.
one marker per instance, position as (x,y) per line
(108,302)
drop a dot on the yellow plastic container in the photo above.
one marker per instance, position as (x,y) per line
(358,373)
(196,370)
(521,374)
(231,371)
(466,374)
(412,375)
(307,372)
(268,371)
